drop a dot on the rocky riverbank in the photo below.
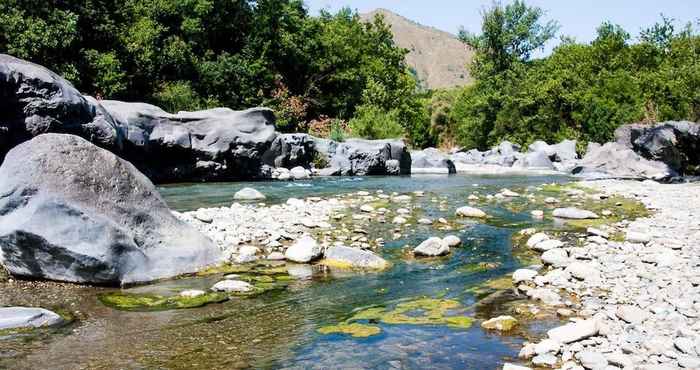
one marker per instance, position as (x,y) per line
(635,283)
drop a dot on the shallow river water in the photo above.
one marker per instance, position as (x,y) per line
(279,329)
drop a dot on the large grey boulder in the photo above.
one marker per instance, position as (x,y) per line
(431,160)
(675,143)
(34,101)
(213,144)
(504,154)
(564,151)
(365,157)
(614,160)
(70,211)
(28,317)
(472,156)
(625,135)
(290,150)
(535,160)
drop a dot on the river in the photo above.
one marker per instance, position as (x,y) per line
(279,329)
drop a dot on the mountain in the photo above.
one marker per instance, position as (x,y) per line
(438,58)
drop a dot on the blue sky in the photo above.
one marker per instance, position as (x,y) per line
(576,18)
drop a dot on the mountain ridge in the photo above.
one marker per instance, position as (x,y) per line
(437,58)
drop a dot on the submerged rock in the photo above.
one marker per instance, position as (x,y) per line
(574,213)
(74,212)
(472,212)
(452,240)
(27,317)
(248,194)
(232,286)
(353,257)
(500,323)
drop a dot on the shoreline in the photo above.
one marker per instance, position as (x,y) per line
(639,305)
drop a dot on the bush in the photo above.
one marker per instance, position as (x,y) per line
(371,122)
(337,130)
(179,96)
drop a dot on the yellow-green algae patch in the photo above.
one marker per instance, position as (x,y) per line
(244,269)
(353,329)
(491,286)
(421,311)
(622,208)
(150,302)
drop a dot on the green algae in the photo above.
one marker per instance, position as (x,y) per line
(622,208)
(225,269)
(491,286)
(370,314)
(421,311)
(150,302)
(353,329)
(479,267)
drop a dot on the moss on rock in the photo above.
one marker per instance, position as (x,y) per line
(149,302)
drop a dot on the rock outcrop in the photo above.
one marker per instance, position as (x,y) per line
(210,145)
(431,160)
(676,144)
(613,160)
(507,157)
(214,144)
(357,157)
(290,150)
(34,100)
(71,211)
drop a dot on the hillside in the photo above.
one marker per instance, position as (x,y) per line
(439,59)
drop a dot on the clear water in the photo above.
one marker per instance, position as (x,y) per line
(279,329)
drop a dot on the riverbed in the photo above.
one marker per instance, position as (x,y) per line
(280,329)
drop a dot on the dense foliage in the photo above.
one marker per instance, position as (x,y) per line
(336,76)
(580,91)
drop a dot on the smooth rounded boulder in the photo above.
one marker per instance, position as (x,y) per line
(77,213)
(28,317)
(472,212)
(304,250)
(432,247)
(35,101)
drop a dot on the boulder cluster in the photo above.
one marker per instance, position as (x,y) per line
(214,144)
(661,152)
(222,144)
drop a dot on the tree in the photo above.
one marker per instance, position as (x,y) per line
(508,35)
